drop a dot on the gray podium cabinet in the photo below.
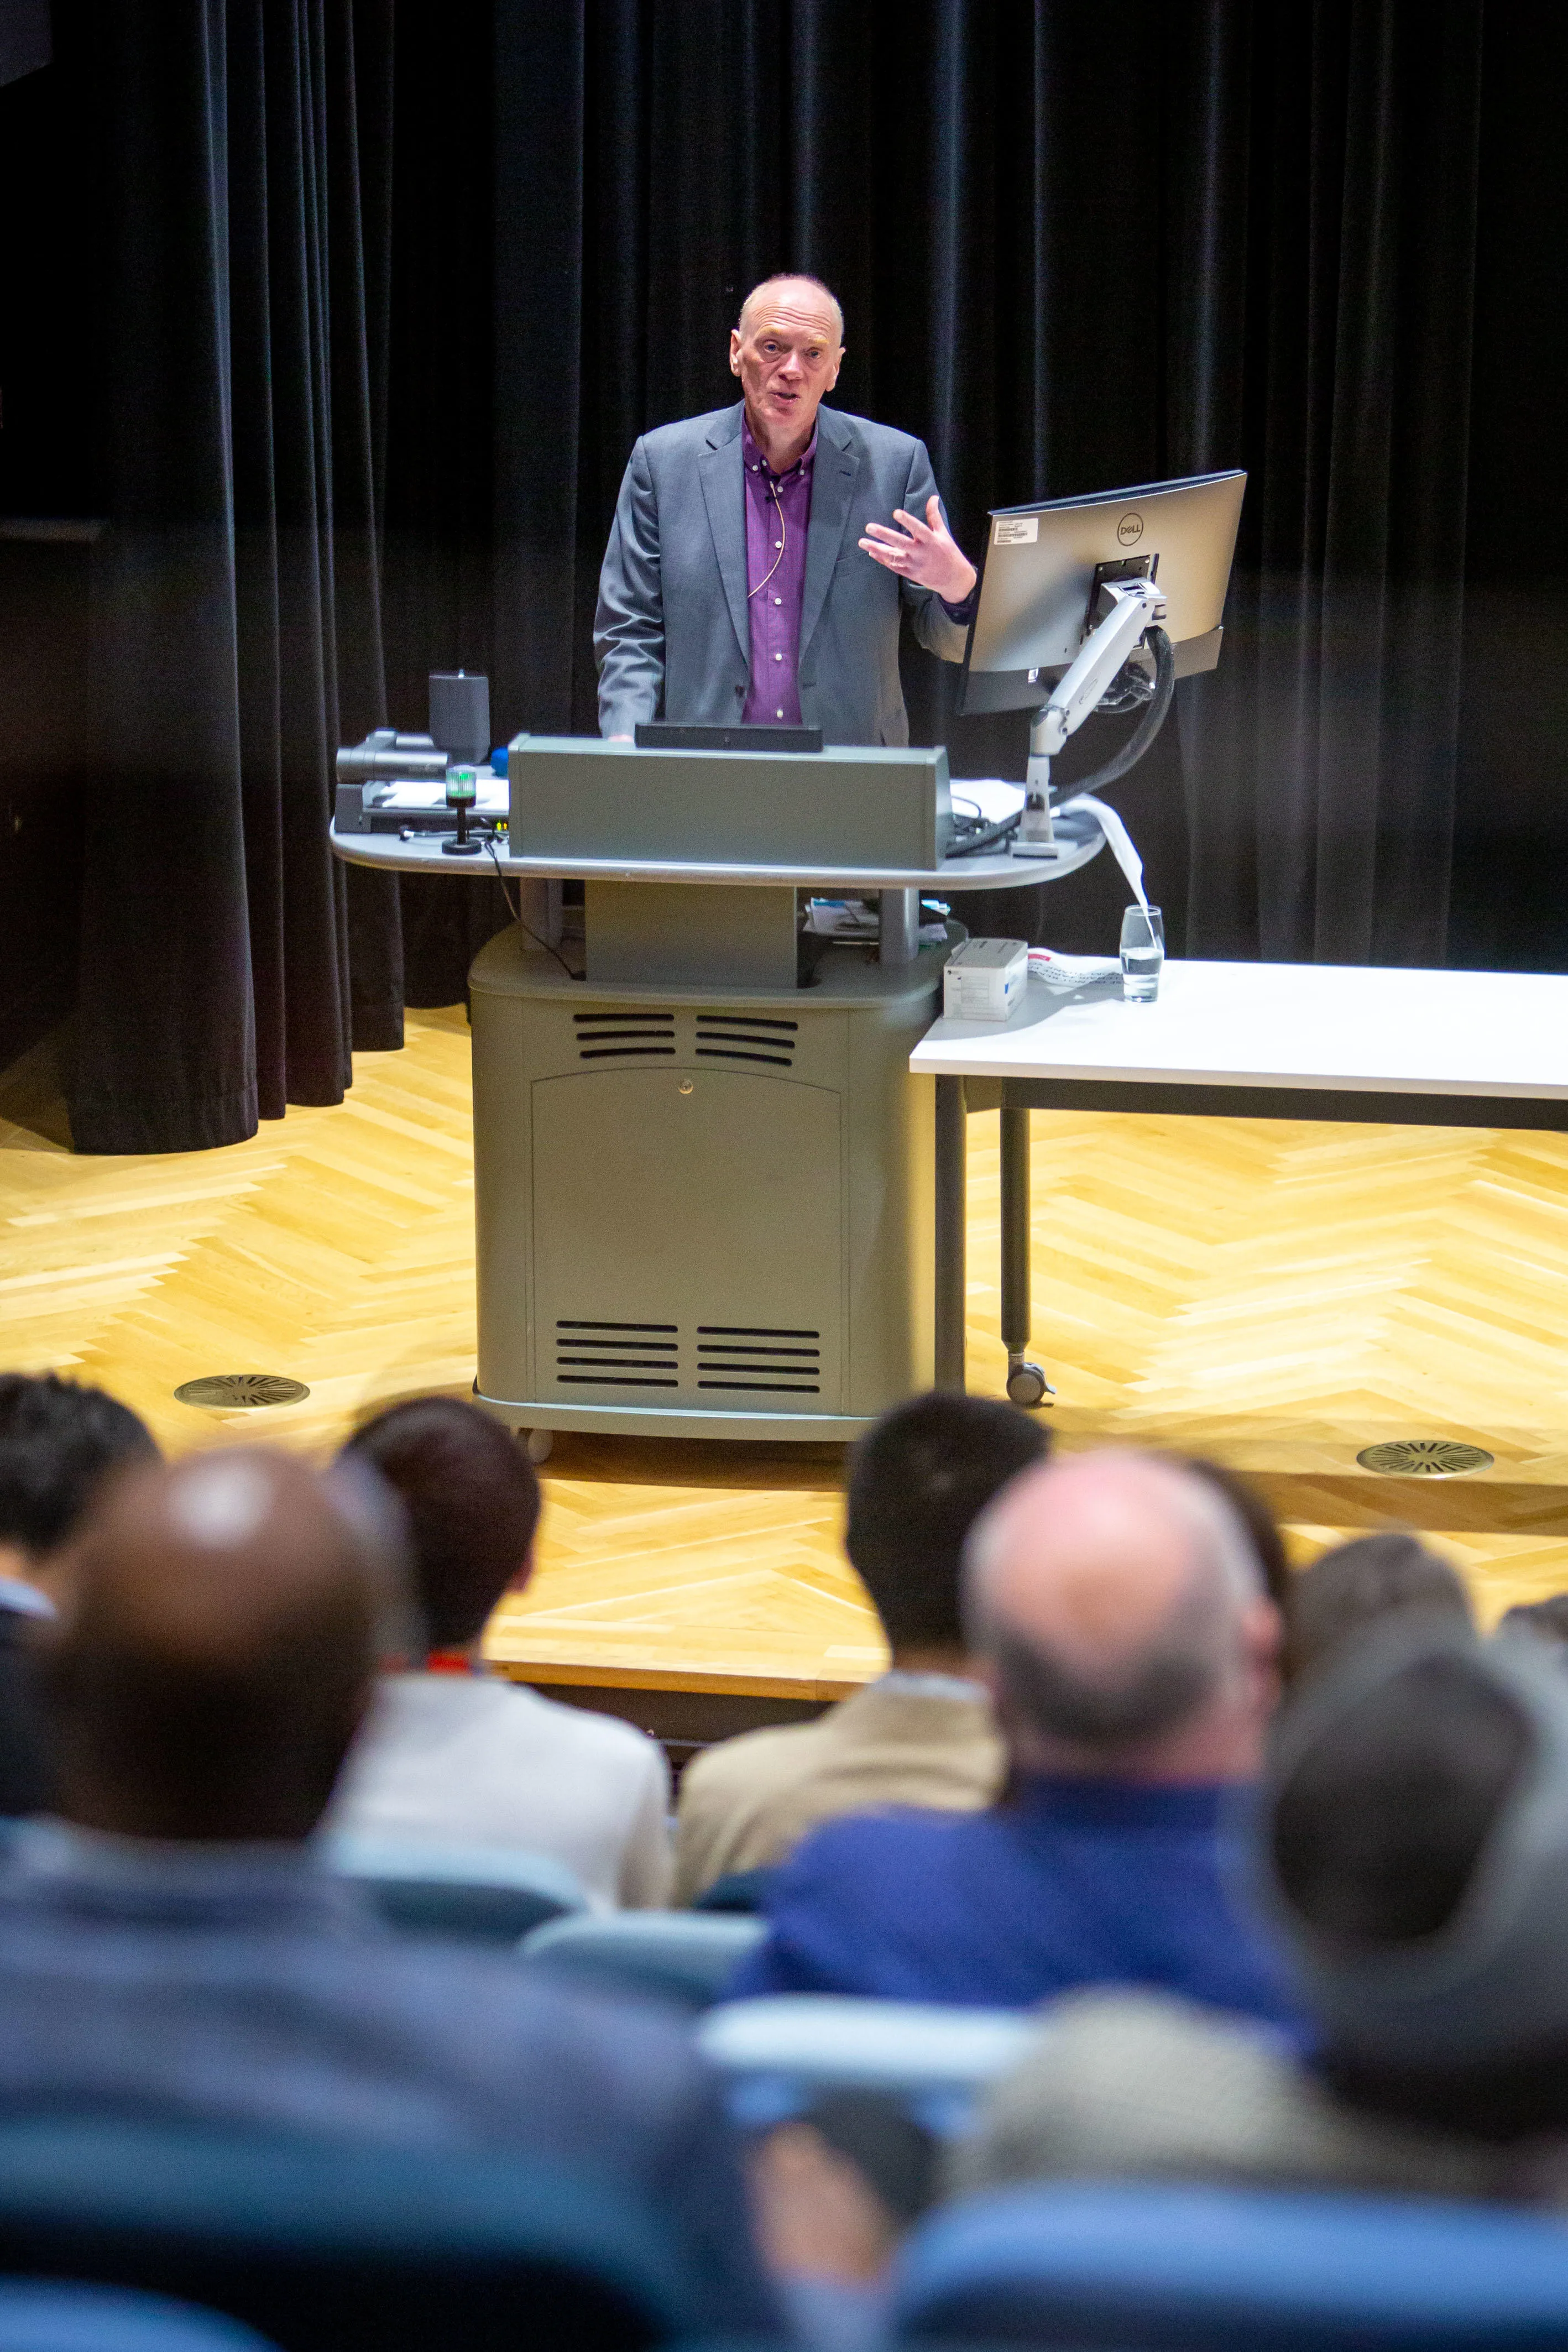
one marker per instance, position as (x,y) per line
(705,1175)
(703,1210)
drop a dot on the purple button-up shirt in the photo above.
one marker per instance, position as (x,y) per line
(778,516)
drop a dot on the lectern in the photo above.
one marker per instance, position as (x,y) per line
(705,1176)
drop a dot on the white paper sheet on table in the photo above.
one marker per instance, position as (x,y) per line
(489,795)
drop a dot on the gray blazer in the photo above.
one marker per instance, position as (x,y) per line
(672,636)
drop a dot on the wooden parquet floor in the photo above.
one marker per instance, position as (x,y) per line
(1278,1294)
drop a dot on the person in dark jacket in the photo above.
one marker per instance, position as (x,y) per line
(174,1944)
(58,1439)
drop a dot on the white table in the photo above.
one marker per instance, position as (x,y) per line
(1241,1041)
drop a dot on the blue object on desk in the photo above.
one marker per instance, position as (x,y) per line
(498,761)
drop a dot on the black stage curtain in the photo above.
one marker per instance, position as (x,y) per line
(242,149)
(385,298)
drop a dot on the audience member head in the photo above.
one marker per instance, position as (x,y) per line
(1255,1517)
(220,1625)
(917,1482)
(472,1500)
(1117,1606)
(57,1440)
(1415,1829)
(1363,1583)
(1541,1620)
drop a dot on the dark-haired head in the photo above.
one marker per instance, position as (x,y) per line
(58,1439)
(1541,1620)
(472,1501)
(1357,1586)
(918,1481)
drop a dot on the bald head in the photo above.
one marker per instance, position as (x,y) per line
(223,1618)
(1118,1603)
(791,293)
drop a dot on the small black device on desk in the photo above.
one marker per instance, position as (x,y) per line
(445,761)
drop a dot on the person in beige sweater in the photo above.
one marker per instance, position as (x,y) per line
(922,1733)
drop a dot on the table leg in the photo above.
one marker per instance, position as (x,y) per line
(898,926)
(951,1210)
(1026,1384)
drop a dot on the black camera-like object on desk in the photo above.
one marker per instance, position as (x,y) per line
(459,738)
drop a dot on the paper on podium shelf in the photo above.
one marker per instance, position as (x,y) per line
(491,799)
(990,797)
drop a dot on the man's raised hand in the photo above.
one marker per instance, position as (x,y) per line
(925,553)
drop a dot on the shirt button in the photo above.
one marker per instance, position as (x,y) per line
(778,599)
(778,714)
(778,543)
(778,657)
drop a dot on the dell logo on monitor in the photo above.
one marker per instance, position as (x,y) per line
(1130,529)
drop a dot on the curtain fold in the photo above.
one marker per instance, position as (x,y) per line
(236,606)
(1337,216)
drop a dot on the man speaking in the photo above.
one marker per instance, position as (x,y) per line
(750,574)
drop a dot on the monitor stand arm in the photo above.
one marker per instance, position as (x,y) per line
(1125,608)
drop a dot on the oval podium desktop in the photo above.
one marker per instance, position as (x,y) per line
(705,1173)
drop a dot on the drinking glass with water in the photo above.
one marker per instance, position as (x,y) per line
(1142,953)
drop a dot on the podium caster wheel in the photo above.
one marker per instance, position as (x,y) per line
(537,1443)
(1027,1385)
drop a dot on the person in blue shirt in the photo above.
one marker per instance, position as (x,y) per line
(1115,1609)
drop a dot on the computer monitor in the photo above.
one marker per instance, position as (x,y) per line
(1040,565)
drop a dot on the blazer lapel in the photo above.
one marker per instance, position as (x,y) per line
(833,480)
(724,496)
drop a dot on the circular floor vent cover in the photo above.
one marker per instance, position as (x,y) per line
(241,1390)
(1424,1457)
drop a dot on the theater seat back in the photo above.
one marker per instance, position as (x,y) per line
(677,1956)
(479,1894)
(1156,2268)
(341,2249)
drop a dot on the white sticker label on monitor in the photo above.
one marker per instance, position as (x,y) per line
(1017,530)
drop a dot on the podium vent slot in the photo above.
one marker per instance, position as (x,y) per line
(590,1354)
(740,1054)
(747,1359)
(746,1331)
(739,1348)
(624,1036)
(562,1324)
(763,1387)
(730,1038)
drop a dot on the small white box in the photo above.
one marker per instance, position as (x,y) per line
(985,979)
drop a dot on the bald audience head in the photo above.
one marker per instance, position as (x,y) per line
(222,1622)
(1117,1606)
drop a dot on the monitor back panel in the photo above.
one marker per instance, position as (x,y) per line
(1040,563)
